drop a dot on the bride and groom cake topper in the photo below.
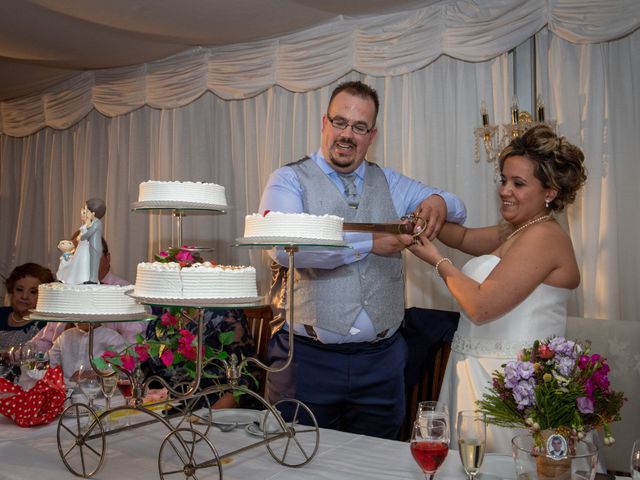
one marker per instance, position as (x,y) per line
(80,259)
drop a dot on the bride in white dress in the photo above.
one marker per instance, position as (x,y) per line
(516,288)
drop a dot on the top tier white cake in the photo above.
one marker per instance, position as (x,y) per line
(293,225)
(186,192)
(86,299)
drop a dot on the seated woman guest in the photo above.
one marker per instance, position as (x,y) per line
(22,287)
(516,288)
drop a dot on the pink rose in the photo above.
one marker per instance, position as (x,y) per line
(168,320)
(142,351)
(128,362)
(108,354)
(545,352)
(167,357)
(184,256)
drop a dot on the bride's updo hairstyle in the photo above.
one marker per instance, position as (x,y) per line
(558,164)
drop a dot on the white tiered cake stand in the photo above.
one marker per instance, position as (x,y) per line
(82,444)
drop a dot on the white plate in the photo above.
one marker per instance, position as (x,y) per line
(238,416)
(167,204)
(201,302)
(89,317)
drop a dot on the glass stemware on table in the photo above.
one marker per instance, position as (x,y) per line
(33,363)
(125,387)
(635,460)
(471,431)
(109,385)
(433,409)
(89,383)
(430,443)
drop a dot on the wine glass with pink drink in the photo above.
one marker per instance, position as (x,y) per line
(430,444)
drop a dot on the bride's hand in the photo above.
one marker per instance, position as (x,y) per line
(425,250)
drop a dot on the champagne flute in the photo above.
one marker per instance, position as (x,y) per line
(109,384)
(430,444)
(471,431)
(89,383)
(635,460)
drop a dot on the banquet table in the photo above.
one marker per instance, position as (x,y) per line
(32,453)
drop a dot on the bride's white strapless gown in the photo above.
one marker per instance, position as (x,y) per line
(478,350)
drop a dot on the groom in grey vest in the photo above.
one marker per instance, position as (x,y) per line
(349,358)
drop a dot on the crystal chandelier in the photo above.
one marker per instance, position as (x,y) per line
(496,137)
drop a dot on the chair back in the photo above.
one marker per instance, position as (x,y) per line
(428,333)
(618,341)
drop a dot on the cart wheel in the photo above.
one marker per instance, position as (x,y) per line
(300,443)
(182,414)
(81,440)
(186,452)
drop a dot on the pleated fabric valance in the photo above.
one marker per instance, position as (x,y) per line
(384,45)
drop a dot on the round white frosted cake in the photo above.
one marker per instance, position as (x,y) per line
(200,280)
(186,192)
(293,225)
(86,299)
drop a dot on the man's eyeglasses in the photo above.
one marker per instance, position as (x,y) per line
(359,128)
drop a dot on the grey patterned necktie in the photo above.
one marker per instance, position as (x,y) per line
(350,190)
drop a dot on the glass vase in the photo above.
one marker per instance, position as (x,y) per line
(579,464)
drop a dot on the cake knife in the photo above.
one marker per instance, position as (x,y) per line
(406,228)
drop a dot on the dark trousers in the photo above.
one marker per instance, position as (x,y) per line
(357,388)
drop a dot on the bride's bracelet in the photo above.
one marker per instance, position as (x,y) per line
(443,259)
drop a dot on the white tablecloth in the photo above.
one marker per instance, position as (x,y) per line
(32,453)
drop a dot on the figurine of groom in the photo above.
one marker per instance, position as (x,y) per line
(91,230)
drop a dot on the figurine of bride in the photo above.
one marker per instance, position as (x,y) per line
(83,265)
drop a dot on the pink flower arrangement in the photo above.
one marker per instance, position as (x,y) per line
(185,256)
(554,385)
(175,345)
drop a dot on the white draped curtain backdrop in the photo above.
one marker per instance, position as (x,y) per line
(232,114)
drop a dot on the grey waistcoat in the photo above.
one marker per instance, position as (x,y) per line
(331,299)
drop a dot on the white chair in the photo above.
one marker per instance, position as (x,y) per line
(619,342)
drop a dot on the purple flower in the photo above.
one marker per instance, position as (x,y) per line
(585,404)
(600,378)
(565,365)
(562,346)
(515,371)
(583,362)
(524,394)
(511,374)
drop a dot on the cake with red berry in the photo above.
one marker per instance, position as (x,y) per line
(278,225)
